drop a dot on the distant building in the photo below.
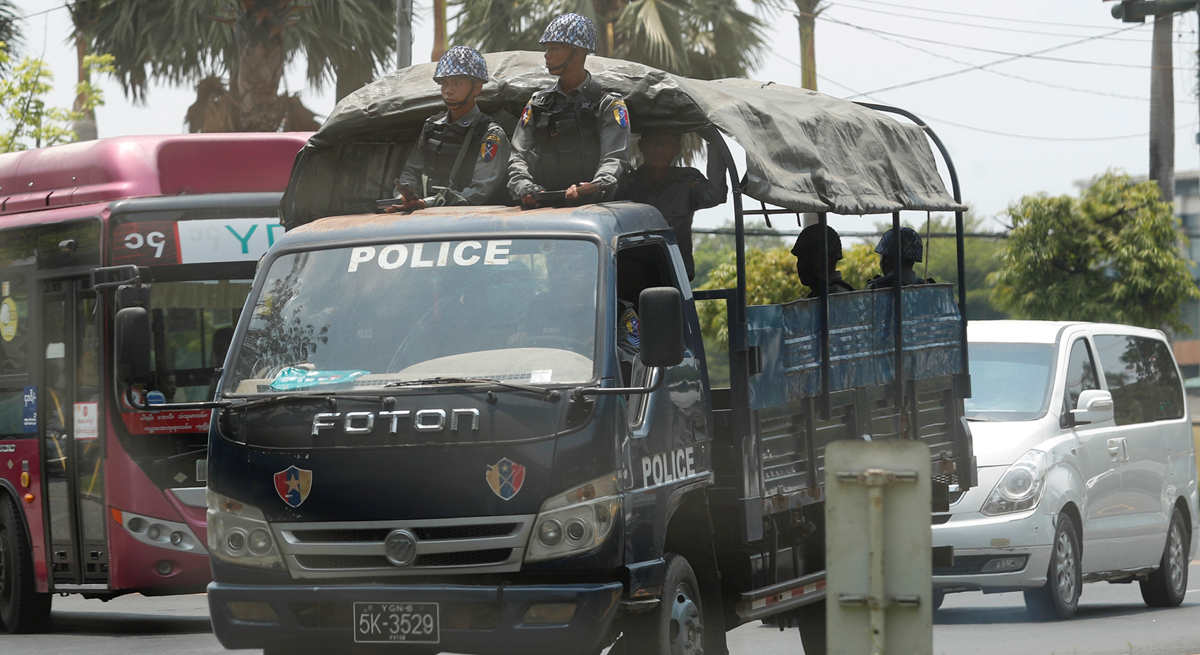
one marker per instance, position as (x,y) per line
(1187,208)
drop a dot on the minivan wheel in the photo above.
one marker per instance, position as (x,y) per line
(1167,586)
(1059,598)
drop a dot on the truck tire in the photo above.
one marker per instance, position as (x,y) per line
(22,608)
(1059,598)
(676,625)
(1167,586)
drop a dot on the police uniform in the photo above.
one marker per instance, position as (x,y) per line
(481,169)
(910,251)
(677,198)
(808,249)
(563,137)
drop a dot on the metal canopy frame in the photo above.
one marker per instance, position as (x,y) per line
(739,354)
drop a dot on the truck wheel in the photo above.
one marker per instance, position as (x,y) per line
(1059,599)
(1167,586)
(22,608)
(676,625)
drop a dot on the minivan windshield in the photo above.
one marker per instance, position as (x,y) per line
(1009,381)
(519,310)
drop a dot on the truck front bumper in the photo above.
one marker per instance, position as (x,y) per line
(473,619)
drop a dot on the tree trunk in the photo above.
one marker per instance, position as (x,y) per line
(85,127)
(807,17)
(439,29)
(1162,108)
(258,33)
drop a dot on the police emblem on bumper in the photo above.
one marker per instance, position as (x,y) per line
(293,484)
(506,478)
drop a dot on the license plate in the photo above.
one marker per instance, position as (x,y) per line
(390,623)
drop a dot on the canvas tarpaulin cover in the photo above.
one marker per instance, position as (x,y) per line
(805,151)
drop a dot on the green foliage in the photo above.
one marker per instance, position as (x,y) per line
(1112,254)
(706,39)
(712,250)
(28,122)
(770,279)
(10,29)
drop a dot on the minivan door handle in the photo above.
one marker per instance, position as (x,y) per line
(1116,450)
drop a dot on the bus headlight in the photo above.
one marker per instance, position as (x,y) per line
(1020,488)
(239,534)
(576,521)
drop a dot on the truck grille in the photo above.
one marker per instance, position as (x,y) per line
(444,546)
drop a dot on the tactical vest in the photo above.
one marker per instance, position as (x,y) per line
(566,136)
(441,142)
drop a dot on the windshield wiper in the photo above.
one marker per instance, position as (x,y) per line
(550,394)
(980,419)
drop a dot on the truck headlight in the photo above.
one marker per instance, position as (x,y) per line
(239,534)
(1020,488)
(576,521)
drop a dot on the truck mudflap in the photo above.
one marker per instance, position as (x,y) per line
(472,619)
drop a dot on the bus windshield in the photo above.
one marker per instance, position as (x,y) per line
(192,326)
(369,316)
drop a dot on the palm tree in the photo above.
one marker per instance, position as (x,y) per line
(235,55)
(706,39)
(10,28)
(806,14)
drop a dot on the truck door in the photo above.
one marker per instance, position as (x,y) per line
(71,435)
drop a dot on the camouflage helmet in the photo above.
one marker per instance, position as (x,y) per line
(910,244)
(571,29)
(461,60)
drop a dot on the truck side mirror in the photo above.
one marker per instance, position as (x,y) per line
(660,317)
(1094,406)
(133,345)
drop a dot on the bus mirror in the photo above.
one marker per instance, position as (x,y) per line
(133,345)
(660,317)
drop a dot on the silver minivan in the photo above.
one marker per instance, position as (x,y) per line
(1087,467)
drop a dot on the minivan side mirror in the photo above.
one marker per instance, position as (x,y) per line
(132,327)
(1094,406)
(660,318)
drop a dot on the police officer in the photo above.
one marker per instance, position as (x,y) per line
(572,136)
(910,253)
(808,260)
(675,191)
(461,156)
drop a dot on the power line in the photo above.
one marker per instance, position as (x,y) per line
(877,32)
(977,25)
(985,17)
(999,61)
(997,132)
(39,13)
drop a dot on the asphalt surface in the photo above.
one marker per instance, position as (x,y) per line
(1112,620)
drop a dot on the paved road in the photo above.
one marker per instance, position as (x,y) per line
(1112,621)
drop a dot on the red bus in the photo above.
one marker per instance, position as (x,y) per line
(96,498)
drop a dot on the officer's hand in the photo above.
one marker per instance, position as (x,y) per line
(582,189)
(528,200)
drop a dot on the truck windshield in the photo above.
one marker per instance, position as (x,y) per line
(522,310)
(1009,381)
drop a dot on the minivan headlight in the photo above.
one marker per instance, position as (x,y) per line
(576,521)
(1020,488)
(239,534)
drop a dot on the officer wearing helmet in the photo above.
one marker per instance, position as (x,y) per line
(910,253)
(572,136)
(461,156)
(808,260)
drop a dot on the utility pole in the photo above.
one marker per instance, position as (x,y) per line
(403,34)
(806,15)
(439,30)
(1162,87)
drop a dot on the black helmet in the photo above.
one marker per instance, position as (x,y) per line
(808,244)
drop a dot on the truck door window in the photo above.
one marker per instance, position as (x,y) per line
(1081,376)
(367,316)
(638,268)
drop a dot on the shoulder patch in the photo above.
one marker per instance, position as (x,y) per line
(526,113)
(620,112)
(489,148)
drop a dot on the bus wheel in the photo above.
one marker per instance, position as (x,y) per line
(676,625)
(22,608)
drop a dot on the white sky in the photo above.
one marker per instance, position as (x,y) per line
(994,169)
